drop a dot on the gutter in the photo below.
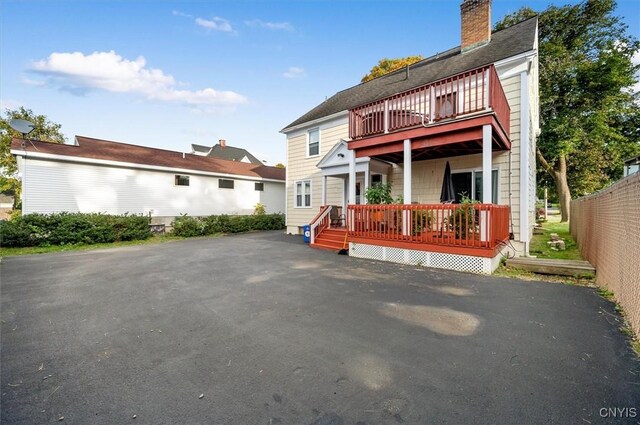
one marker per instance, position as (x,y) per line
(118,164)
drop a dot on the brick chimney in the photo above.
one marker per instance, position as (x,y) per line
(223,143)
(476,23)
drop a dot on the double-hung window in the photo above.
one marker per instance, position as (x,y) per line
(313,142)
(302,194)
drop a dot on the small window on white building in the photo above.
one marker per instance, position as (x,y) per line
(181,180)
(225,184)
(313,139)
(259,187)
(302,194)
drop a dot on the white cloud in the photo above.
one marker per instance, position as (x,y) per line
(215,24)
(178,13)
(78,74)
(284,26)
(295,72)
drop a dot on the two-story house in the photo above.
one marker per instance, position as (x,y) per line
(447,122)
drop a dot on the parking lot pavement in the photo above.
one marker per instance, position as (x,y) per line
(260,329)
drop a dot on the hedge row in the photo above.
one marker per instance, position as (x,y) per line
(72,228)
(200,226)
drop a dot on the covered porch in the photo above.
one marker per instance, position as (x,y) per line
(462,115)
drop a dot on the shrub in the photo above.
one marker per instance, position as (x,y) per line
(192,226)
(259,209)
(187,226)
(72,228)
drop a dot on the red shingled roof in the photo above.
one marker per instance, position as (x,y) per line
(122,152)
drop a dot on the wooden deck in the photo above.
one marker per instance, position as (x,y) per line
(574,268)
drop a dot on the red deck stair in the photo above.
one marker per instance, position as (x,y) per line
(332,239)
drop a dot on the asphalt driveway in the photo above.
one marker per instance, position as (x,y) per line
(269,331)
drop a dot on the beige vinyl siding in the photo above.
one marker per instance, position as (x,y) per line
(301,167)
(427,175)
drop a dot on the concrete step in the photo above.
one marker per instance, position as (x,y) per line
(550,266)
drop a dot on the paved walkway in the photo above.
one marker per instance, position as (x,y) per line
(269,331)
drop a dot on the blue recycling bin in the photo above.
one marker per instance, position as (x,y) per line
(306,233)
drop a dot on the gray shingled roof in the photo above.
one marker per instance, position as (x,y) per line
(200,148)
(508,42)
(232,154)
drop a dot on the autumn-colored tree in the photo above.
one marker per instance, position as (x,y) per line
(587,108)
(44,130)
(385,66)
(279,165)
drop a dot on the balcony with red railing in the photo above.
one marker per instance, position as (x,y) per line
(467,229)
(476,92)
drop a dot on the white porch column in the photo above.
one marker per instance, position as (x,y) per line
(487,177)
(352,177)
(407,172)
(367,180)
(352,188)
(486,165)
(406,217)
(324,190)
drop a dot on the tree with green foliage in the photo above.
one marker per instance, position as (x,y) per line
(44,130)
(589,115)
(385,66)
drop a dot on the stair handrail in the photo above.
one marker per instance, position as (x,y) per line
(319,220)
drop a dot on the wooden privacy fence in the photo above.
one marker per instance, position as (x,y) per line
(606,227)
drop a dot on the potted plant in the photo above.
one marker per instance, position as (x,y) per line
(464,218)
(422,221)
(380,194)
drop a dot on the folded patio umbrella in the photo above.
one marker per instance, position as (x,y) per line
(447,193)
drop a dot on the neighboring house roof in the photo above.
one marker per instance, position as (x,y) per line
(200,149)
(97,149)
(232,154)
(512,41)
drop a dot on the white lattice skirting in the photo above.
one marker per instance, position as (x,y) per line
(439,260)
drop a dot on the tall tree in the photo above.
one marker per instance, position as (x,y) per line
(385,66)
(44,130)
(587,109)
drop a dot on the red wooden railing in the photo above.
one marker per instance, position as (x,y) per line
(320,222)
(468,225)
(498,101)
(465,93)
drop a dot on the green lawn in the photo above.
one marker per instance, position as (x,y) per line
(541,249)
(155,239)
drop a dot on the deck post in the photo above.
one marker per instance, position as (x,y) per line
(487,177)
(367,177)
(324,190)
(352,183)
(406,195)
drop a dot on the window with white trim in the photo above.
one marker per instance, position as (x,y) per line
(302,194)
(313,142)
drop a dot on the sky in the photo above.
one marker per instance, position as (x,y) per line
(167,74)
